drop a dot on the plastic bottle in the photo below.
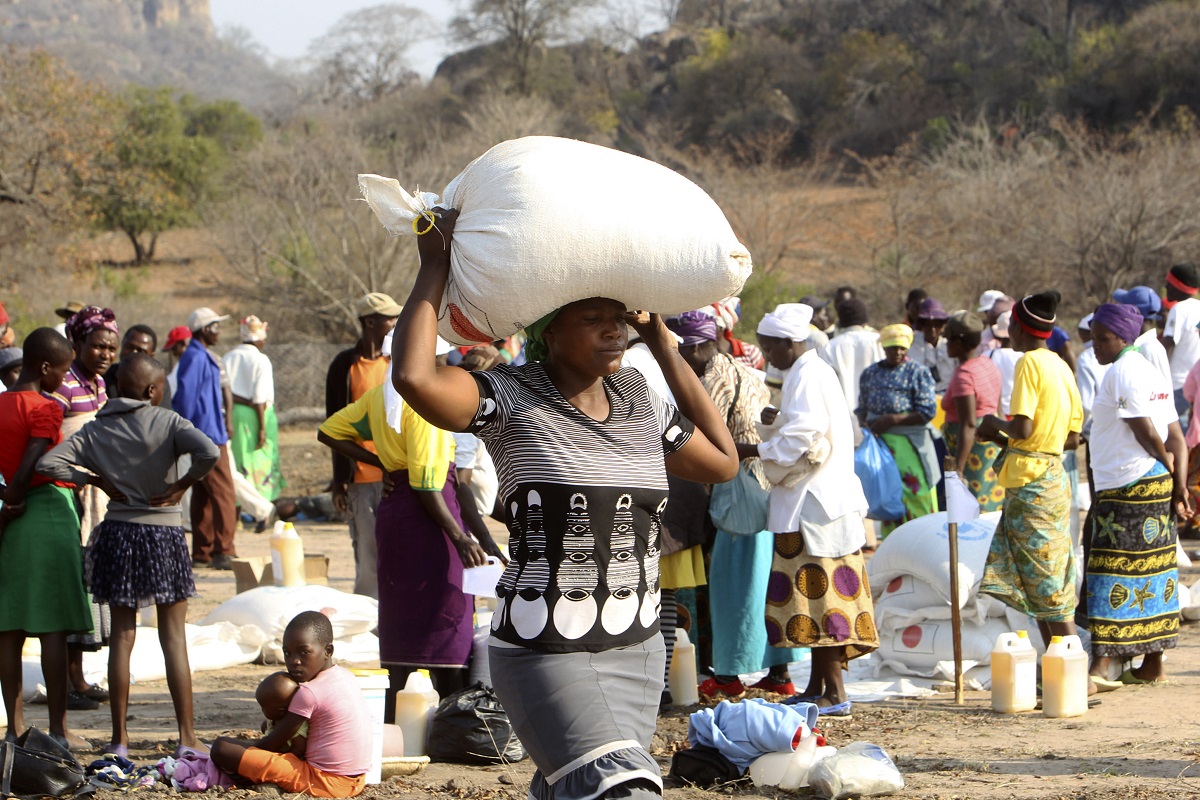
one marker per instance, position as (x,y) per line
(1014,673)
(1064,678)
(789,771)
(373,684)
(415,704)
(682,680)
(287,555)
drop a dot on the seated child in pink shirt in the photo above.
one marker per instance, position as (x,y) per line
(339,722)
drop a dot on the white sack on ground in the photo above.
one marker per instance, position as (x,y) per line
(271,608)
(922,646)
(546,221)
(210,648)
(921,548)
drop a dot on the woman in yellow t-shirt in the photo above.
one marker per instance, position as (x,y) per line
(1031,566)
(425,620)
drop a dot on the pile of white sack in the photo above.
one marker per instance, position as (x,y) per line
(545,221)
(271,608)
(910,583)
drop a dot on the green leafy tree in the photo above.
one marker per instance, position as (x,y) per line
(165,163)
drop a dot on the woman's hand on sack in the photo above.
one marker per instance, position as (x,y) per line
(652,329)
(433,247)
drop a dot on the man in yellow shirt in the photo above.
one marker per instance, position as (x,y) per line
(1031,564)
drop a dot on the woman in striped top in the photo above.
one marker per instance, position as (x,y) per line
(582,449)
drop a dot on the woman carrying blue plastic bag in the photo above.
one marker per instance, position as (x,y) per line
(876,470)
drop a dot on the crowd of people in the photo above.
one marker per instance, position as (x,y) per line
(600,436)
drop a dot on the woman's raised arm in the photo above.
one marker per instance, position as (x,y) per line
(445,396)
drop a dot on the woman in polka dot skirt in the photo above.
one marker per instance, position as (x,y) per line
(817,594)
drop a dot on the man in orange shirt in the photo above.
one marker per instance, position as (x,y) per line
(357,488)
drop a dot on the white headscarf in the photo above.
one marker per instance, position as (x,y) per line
(788,321)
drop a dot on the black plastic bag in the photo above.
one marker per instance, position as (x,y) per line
(470,727)
(702,766)
(35,765)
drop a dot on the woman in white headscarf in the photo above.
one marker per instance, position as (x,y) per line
(817,595)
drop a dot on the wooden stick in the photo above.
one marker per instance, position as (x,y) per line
(949,466)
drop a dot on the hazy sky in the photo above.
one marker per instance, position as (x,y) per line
(285,27)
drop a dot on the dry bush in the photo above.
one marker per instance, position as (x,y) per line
(1066,208)
(299,235)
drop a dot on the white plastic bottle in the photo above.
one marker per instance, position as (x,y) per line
(682,680)
(287,555)
(1064,678)
(1014,673)
(415,704)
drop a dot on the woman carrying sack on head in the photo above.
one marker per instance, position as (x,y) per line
(817,594)
(582,448)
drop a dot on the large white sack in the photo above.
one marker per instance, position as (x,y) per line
(921,548)
(924,645)
(271,608)
(906,600)
(545,221)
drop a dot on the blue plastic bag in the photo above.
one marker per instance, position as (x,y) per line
(740,506)
(880,477)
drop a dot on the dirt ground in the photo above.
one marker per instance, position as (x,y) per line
(1140,743)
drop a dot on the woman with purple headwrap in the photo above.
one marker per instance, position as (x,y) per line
(92,332)
(740,565)
(1139,464)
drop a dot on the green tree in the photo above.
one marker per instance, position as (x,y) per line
(165,163)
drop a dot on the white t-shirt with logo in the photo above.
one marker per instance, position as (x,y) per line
(1131,388)
(1181,326)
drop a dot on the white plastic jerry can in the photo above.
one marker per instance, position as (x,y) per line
(1014,673)
(1064,678)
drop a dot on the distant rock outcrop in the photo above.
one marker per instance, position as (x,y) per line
(146,42)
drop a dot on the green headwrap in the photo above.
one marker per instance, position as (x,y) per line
(535,346)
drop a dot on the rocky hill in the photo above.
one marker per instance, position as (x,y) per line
(147,42)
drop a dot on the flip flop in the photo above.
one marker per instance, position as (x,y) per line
(839,711)
(182,750)
(801,698)
(1128,677)
(1105,685)
(114,749)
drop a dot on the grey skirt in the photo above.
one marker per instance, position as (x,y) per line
(586,718)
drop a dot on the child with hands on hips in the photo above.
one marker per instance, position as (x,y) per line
(138,555)
(339,722)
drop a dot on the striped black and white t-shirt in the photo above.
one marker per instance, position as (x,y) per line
(584,501)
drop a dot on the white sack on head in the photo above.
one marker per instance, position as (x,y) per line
(545,221)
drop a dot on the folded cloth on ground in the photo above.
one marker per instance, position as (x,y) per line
(744,731)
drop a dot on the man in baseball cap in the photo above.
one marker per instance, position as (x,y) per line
(202,317)
(202,396)
(357,488)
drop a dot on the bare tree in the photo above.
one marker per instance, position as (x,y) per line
(522,28)
(363,56)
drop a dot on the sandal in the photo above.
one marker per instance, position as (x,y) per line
(1128,677)
(838,711)
(1105,685)
(114,749)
